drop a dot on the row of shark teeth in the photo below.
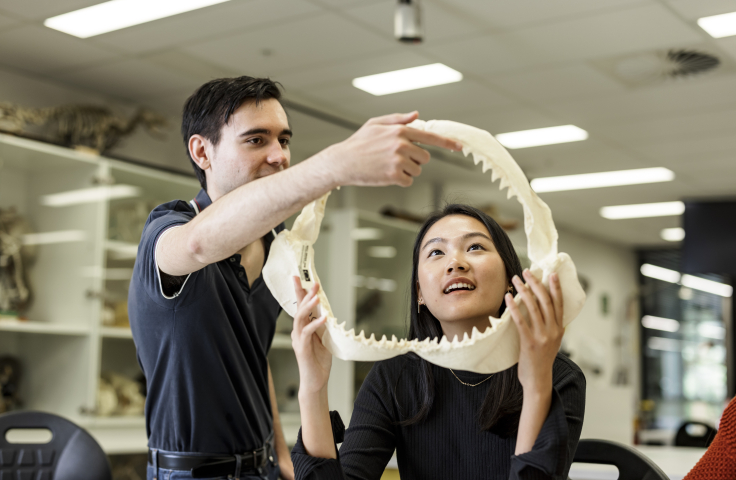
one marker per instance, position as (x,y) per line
(496,172)
(475,336)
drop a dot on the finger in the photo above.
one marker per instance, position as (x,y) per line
(516,315)
(312,327)
(535,316)
(543,299)
(411,168)
(394,119)
(301,319)
(300,292)
(429,138)
(417,154)
(557,299)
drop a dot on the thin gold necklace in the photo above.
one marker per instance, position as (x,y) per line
(469,384)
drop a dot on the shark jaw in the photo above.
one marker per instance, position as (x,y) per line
(489,351)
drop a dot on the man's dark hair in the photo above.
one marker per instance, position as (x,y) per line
(210,108)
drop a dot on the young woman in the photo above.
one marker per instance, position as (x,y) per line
(524,422)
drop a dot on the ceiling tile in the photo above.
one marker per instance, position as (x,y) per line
(482,55)
(672,126)
(42,9)
(694,9)
(440,102)
(323,39)
(7,22)
(342,4)
(340,75)
(42,50)
(131,79)
(573,81)
(505,14)
(438,20)
(603,35)
(189,66)
(728,45)
(677,97)
(690,147)
(205,24)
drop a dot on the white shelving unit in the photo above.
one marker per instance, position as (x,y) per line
(76,280)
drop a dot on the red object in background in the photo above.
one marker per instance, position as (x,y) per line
(719,461)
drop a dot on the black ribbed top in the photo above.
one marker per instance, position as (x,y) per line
(449,443)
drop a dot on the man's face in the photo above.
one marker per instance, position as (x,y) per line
(253,144)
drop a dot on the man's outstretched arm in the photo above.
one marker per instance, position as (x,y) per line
(381,152)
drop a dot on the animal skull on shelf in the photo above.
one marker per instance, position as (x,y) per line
(495,349)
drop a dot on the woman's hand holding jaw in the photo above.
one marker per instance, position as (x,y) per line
(314,362)
(540,336)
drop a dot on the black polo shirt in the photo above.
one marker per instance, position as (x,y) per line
(203,350)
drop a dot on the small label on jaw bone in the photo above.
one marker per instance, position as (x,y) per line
(305,262)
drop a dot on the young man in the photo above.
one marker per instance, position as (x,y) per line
(202,318)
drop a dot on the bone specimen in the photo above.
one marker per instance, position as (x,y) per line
(490,351)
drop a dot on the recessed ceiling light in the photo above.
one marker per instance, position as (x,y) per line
(116,14)
(643,210)
(709,286)
(659,323)
(672,234)
(602,179)
(90,195)
(664,274)
(407,79)
(719,26)
(542,136)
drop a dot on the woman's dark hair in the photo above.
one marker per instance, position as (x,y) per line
(502,406)
(210,108)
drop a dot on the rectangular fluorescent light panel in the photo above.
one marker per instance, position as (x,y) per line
(90,195)
(664,344)
(117,14)
(407,79)
(542,136)
(659,323)
(672,234)
(719,26)
(708,286)
(602,179)
(643,210)
(366,233)
(60,236)
(664,274)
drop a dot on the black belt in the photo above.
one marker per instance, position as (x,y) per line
(204,466)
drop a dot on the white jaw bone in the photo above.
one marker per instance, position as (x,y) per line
(495,349)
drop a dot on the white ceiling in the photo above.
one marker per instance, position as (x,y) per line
(527,64)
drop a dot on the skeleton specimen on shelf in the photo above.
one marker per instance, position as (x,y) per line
(92,127)
(9,380)
(14,257)
(493,350)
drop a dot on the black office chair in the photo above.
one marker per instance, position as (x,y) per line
(695,434)
(71,454)
(631,464)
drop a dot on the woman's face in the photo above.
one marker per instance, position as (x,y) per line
(462,278)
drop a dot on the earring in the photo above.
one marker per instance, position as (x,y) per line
(419,305)
(509,289)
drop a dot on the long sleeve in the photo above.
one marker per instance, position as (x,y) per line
(554,449)
(368,444)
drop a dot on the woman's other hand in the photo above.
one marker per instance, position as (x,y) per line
(313,358)
(540,331)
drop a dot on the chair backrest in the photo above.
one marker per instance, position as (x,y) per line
(71,454)
(631,464)
(694,434)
